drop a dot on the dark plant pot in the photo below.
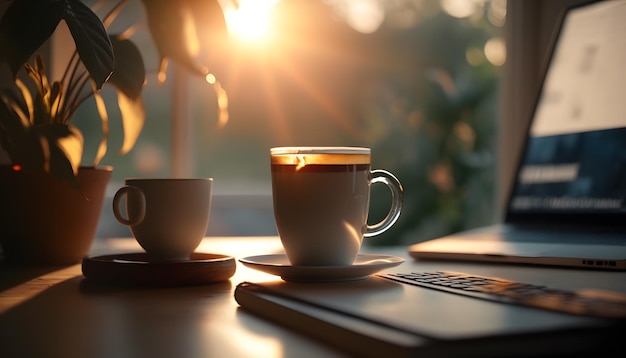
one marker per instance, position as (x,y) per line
(44,221)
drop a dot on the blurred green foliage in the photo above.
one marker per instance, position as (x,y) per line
(440,137)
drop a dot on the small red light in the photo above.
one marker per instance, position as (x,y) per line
(17,167)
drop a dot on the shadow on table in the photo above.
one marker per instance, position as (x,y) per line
(14,274)
(81,319)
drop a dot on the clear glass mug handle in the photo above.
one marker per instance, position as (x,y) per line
(383,176)
(141,205)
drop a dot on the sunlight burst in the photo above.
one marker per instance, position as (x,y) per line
(251,21)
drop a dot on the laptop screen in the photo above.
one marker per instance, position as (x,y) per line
(574,162)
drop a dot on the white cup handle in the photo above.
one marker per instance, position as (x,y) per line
(383,176)
(141,205)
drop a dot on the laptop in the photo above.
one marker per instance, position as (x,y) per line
(567,206)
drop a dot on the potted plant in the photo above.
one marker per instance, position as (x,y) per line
(45,189)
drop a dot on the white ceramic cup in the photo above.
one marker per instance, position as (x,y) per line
(168,217)
(321,199)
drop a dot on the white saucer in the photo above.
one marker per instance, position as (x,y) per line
(364,265)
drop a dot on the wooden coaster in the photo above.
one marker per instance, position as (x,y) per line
(137,269)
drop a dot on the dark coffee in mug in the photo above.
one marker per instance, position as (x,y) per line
(321,202)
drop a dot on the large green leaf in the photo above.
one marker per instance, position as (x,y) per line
(62,147)
(92,40)
(209,17)
(129,78)
(129,73)
(25,26)
(12,128)
(133,118)
(176,26)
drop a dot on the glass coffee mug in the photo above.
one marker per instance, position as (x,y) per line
(321,199)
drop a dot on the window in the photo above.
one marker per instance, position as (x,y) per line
(418,81)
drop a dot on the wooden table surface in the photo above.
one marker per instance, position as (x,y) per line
(55,312)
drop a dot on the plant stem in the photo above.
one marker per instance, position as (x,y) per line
(79,84)
(112,14)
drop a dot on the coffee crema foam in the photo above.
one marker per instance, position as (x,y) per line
(301,160)
(319,168)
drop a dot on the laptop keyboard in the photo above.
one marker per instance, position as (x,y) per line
(601,304)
